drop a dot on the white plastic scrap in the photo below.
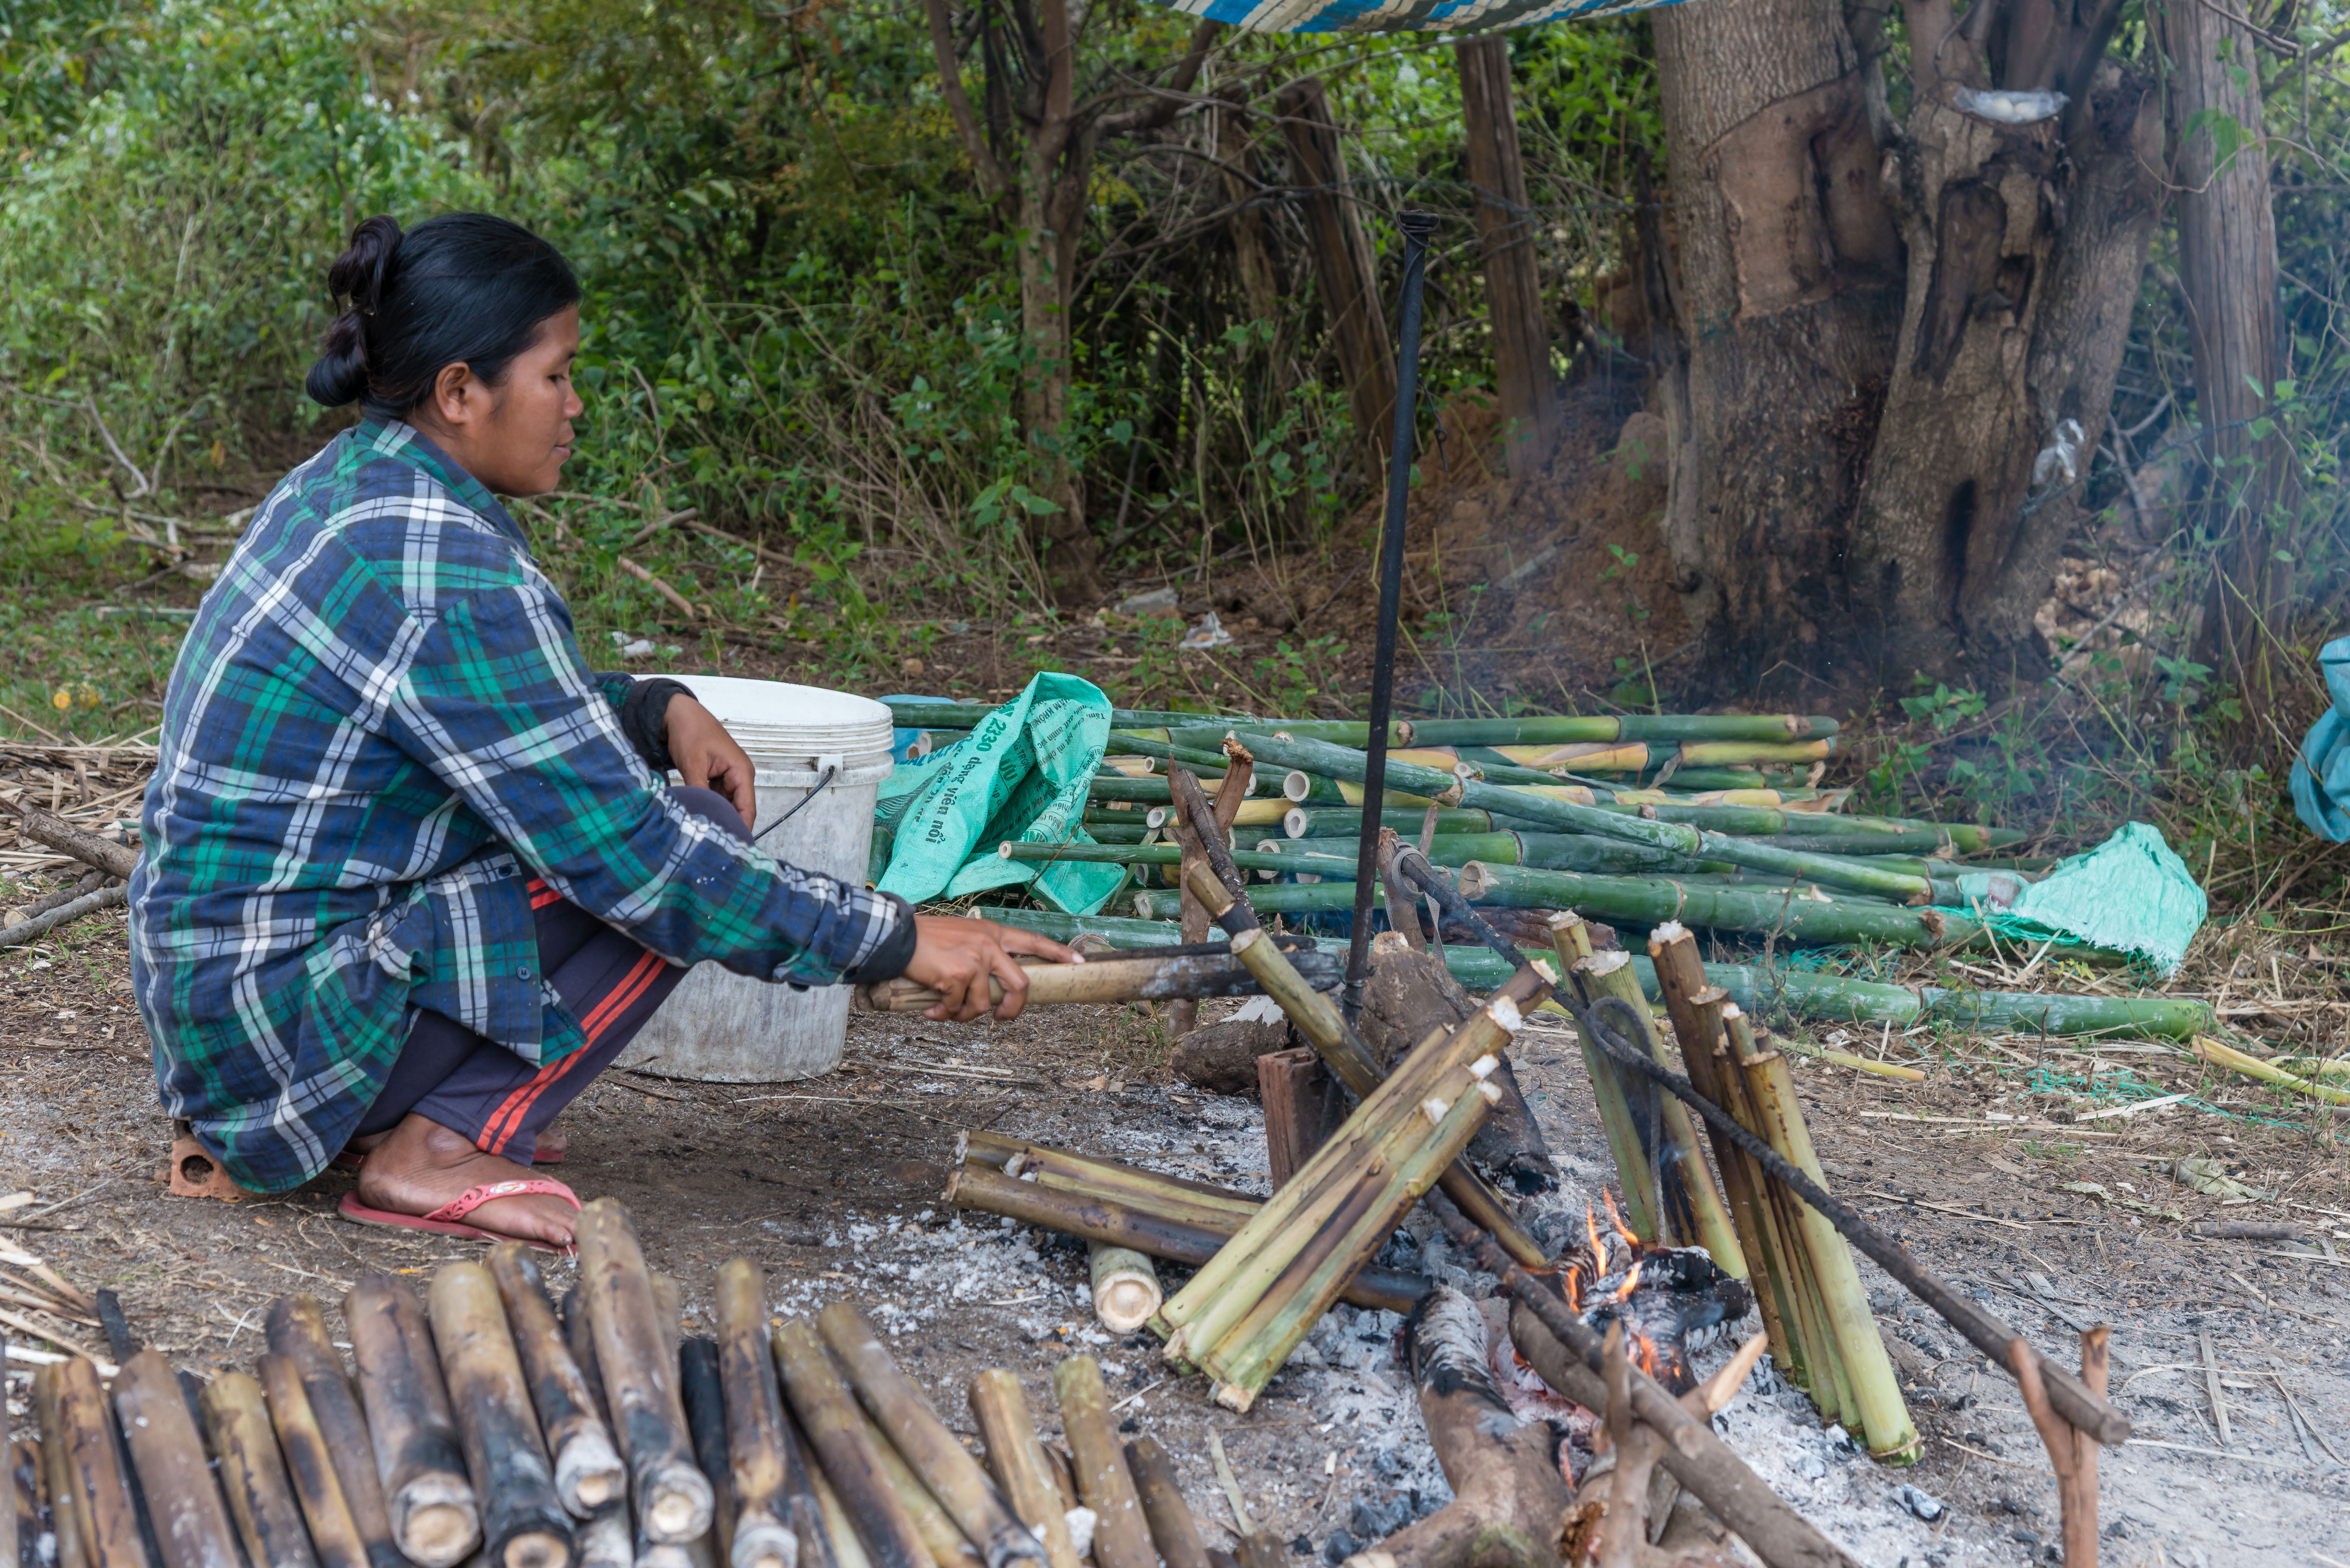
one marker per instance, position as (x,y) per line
(1209,633)
(2061,455)
(1149,603)
(2010,108)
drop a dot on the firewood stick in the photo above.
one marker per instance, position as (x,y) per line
(836,1431)
(48,828)
(1121,1533)
(1173,1529)
(524,1521)
(978,1509)
(65,1518)
(97,1482)
(2081,1505)
(1016,1460)
(700,1387)
(755,1439)
(260,1495)
(419,1458)
(668,1495)
(2212,1386)
(948,1545)
(1625,1528)
(309,1464)
(191,1524)
(297,1329)
(588,1469)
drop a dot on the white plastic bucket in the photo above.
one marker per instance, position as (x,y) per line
(723,1027)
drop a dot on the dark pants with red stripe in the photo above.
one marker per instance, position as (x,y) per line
(449,1075)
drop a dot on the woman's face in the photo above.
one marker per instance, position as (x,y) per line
(513,437)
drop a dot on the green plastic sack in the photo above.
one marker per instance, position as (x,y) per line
(1023,773)
(2130,895)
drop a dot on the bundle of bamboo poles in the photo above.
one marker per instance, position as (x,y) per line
(479,1424)
(1800,1268)
(1247,1308)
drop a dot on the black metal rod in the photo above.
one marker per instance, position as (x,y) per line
(1417,228)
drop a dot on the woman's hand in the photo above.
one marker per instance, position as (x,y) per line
(954,957)
(706,755)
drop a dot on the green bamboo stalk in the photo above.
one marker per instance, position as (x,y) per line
(1625,1145)
(1356,732)
(1610,974)
(1653,901)
(1306,822)
(1339,763)
(909,714)
(1563,730)
(1059,1165)
(1766,1251)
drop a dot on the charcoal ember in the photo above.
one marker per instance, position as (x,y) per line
(1677,1297)
(1375,1521)
(1338,1548)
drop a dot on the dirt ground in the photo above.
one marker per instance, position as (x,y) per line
(832,1186)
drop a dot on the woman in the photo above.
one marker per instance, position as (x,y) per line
(412,875)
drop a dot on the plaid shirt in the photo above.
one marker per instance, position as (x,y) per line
(380,728)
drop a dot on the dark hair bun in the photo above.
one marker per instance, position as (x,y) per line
(340,375)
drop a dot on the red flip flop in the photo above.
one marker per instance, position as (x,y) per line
(351,1160)
(449,1219)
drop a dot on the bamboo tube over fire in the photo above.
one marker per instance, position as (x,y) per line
(588,1469)
(755,1439)
(668,1495)
(978,1509)
(310,1465)
(297,1329)
(435,1517)
(1121,1532)
(524,1521)
(260,1494)
(191,1523)
(850,1463)
(1016,1460)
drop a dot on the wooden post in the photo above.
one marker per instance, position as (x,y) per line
(1298,1093)
(1342,262)
(1506,236)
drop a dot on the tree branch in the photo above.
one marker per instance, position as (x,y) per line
(1168,102)
(994,182)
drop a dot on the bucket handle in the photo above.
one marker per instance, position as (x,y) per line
(831,766)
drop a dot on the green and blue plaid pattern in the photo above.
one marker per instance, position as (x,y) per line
(380,728)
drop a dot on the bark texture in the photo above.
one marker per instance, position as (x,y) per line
(1505,240)
(1342,263)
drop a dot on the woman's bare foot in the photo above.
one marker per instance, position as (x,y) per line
(420,1166)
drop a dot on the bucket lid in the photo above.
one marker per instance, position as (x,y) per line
(775,718)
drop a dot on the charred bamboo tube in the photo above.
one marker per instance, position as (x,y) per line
(841,1541)
(1121,1532)
(260,1495)
(65,1516)
(1173,1529)
(95,1486)
(297,1328)
(524,1521)
(705,1418)
(978,1509)
(1128,1221)
(192,1524)
(435,1516)
(1098,980)
(947,1544)
(670,1498)
(609,1540)
(1016,1460)
(755,1439)
(310,1464)
(1125,1286)
(26,1494)
(828,1414)
(588,1474)
(1884,1418)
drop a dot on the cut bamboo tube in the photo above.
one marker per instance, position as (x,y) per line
(1885,1419)
(1121,1532)
(983,1513)
(1173,1529)
(297,1329)
(588,1474)
(669,1311)
(756,1451)
(840,1537)
(1102,1175)
(981,1146)
(1630,1135)
(1766,1256)
(1125,1286)
(1101,980)
(700,1385)
(191,1524)
(1182,1207)
(670,1498)
(524,1521)
(1016,1460)
(260,1495)
(95,1481)
(65,1516)
(1681,976)
(948,1545)
(309,1464)
(609,1540)
(435,1517)
(1672,1141)
(24,1491)
(1811,1358)
(836,1431)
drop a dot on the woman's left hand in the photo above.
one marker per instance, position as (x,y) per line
(706,755)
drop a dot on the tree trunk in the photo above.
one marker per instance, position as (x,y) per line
(1787,263)
(1235,152)
(2228,261)
(1342,263)
(1505,235)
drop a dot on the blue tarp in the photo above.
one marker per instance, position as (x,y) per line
(2321,773)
